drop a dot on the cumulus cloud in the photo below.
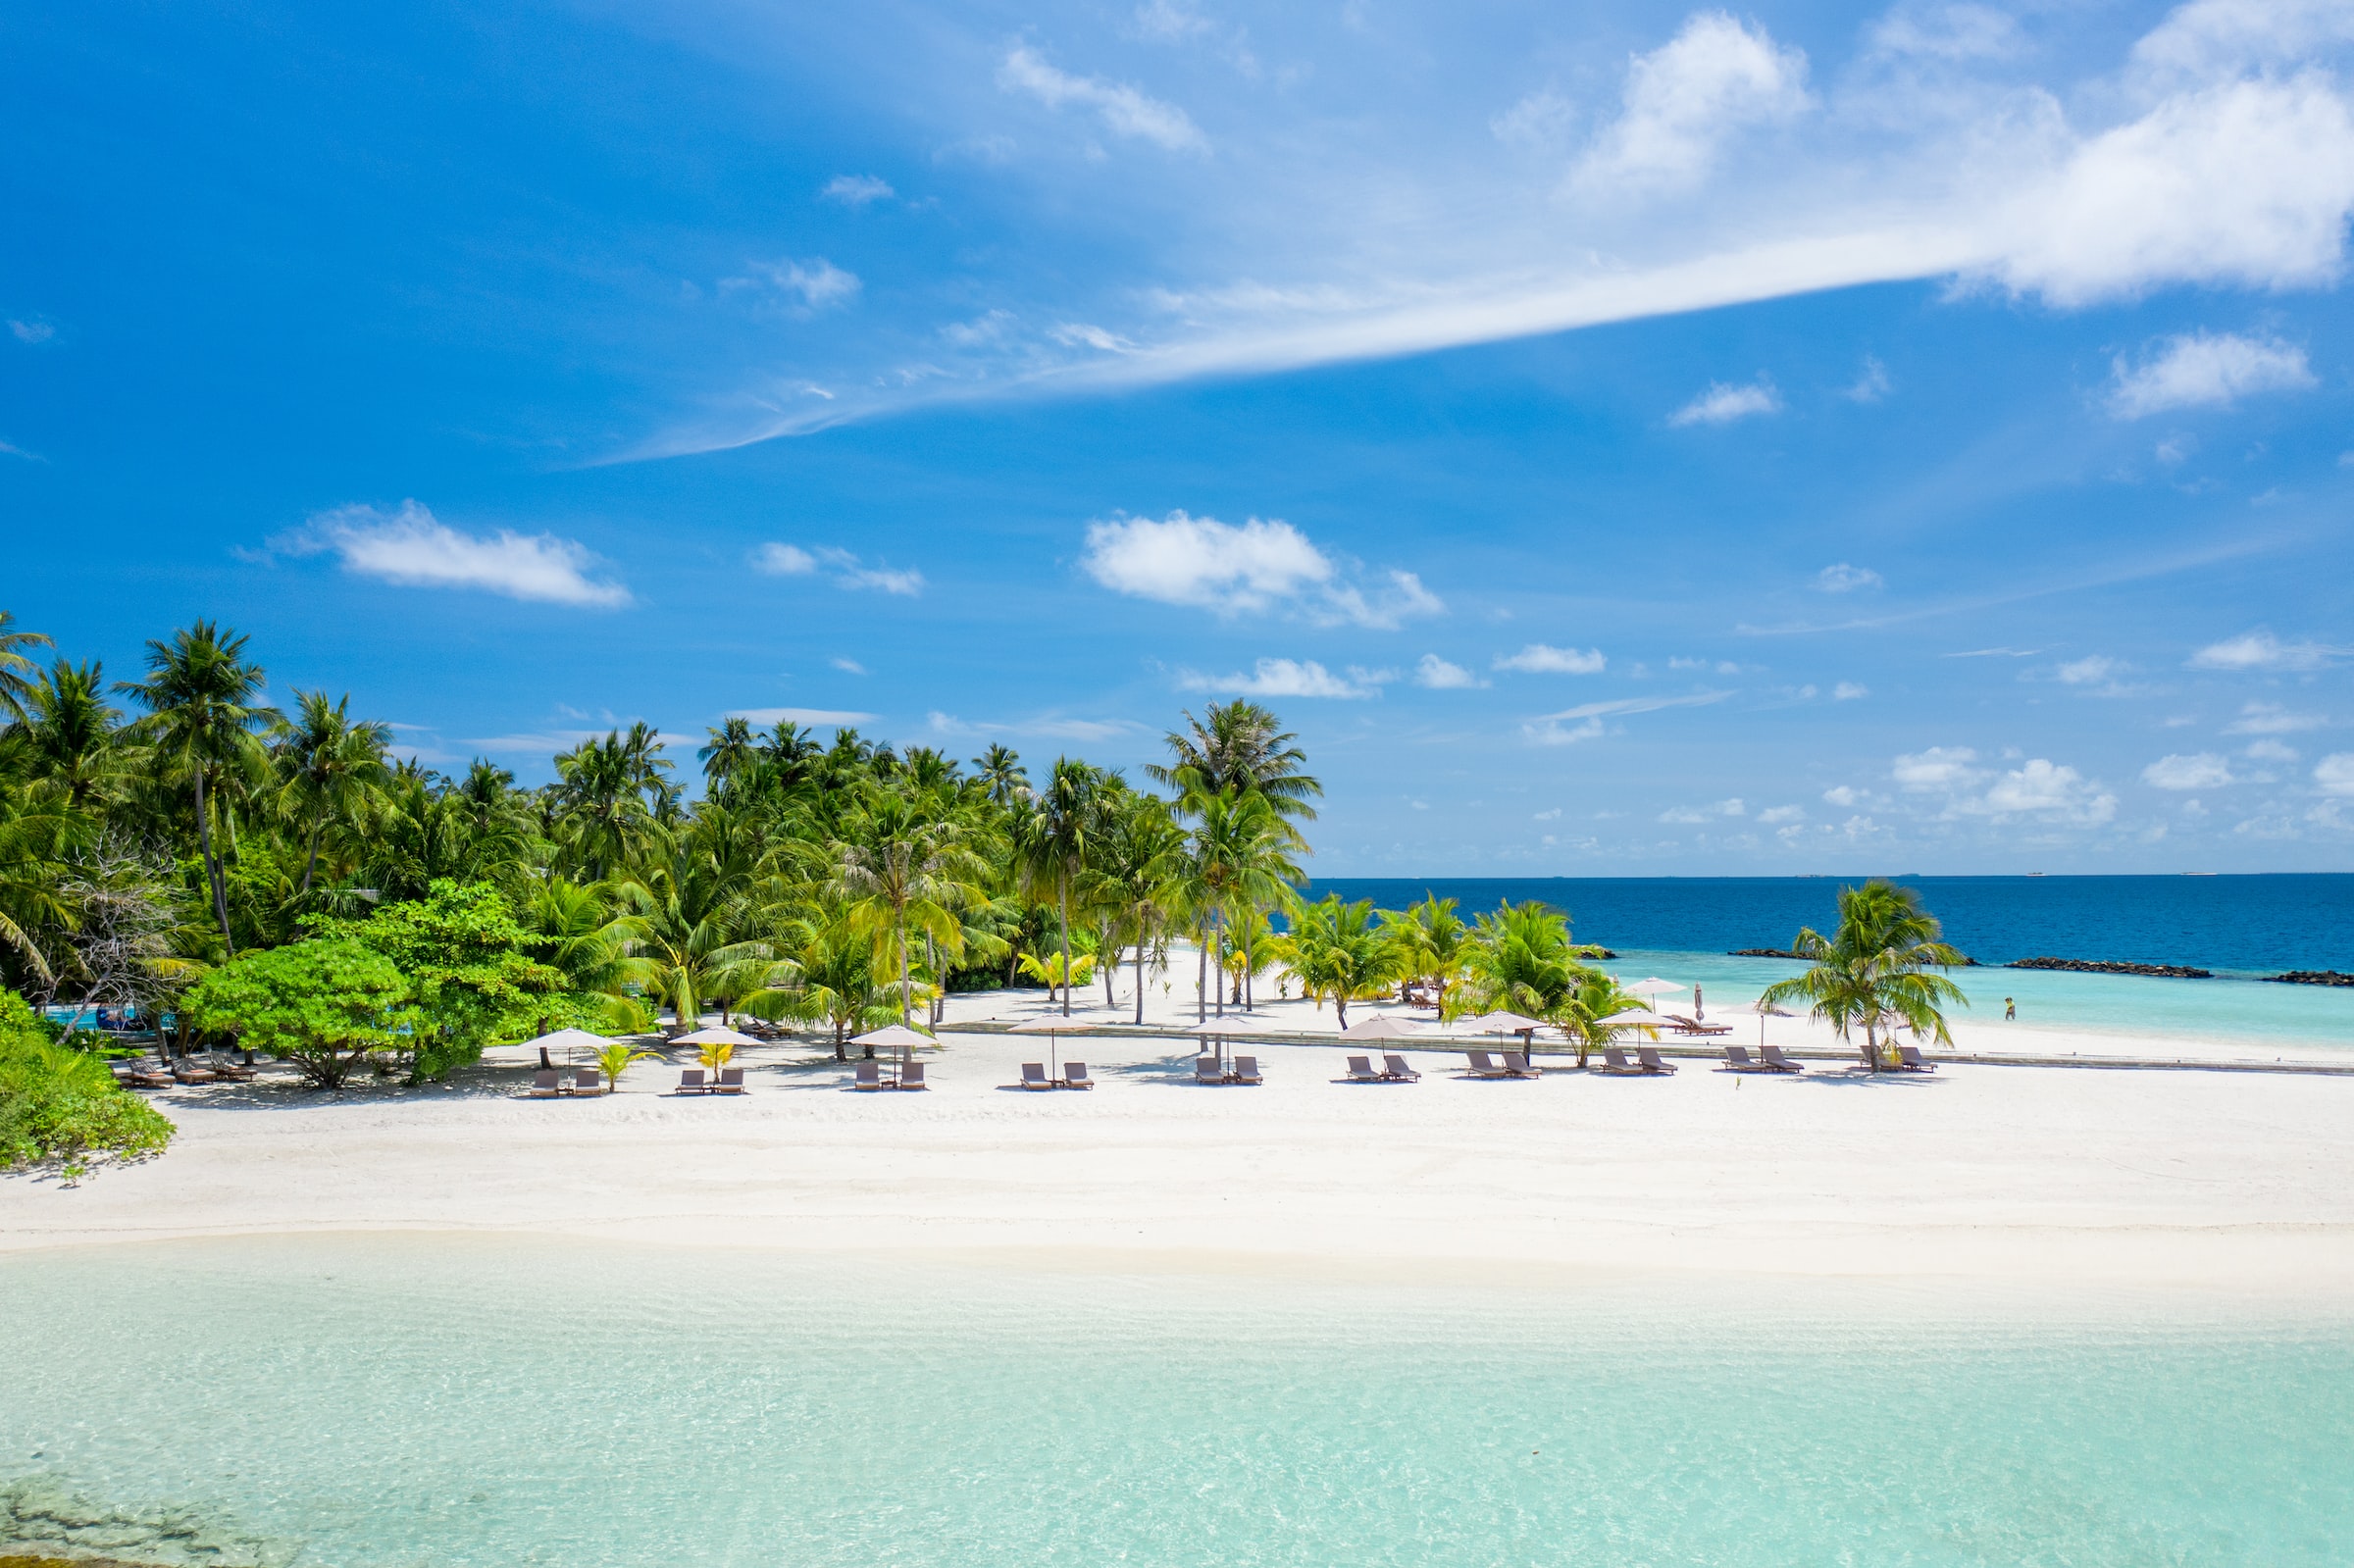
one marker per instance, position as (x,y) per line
(2333,774)
(783,560)
(1841,577)
(2199,369)
(1692,814)
(816,283)
(1939,768)
(2202,769)
(848,570)
(1843,795)
(1541,658)
(1542,121)
(1848,691)
(1291,677)
(1441,675)
(1723,403)
(1121,109)
(2261,650)
(35,331)
(1685,99)
(2271,719)
(2037,787)
(807,716)
(2089,671)
(857,190)
(1871,384)
(409,546)
(1773,815)
(1585,721)
(1248,569)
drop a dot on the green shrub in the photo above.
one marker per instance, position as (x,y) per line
(64,1105)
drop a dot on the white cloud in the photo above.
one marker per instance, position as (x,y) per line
(1722,403)
(2202,769)
(816,282)
(809,716)
(2197,370)
(31,332)
(1540,658)
(847,665)
(1123,111)
(2261,650)
(783,560)
(2269,751)
(410,547)
(1288,677)
(2210,38)
(1848,691)
(1585,721)
(2270,719)
(1843,795)
(2333,774)
(1841,577)
(1939,768)
(857,190)
(1948,33)
(1080,334)
(985,329)
(1046,726)
(1689,814)
(1540,121)
(1250,569)
(1171,21)
(1552,815)
(1871,384)
(1554,733)
(2045,789)
(1779,814)
(2089,671)
(1685,99)
(1440,676)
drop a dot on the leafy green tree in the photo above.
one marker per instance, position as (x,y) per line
(832,984)
(330,770)
(71,748)
(1518,959)
(324,1005)
(1433,940)
(202,717)
(1138,878)
(1871,972)
(1240,858)
(1054,839)
(1241,749)
(908,872)
(1339,950)
(62,1105)
(619,1057)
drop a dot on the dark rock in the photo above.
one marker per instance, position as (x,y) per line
(1763,953)
(2312,977)
(2091,966)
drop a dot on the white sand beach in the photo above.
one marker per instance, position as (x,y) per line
(2199,1180)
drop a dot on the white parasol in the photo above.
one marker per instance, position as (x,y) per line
(568,1039)
(1050,1025)
(896,1036)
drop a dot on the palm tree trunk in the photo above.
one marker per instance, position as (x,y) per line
(1249,977)
(1217,945)
(1140,977)
(906,1002)
(1062,892)
(1201,981)
(211,867)
(310,863)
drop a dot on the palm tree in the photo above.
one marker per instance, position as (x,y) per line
(1054,839)
(1585,1012)
(684,945)
(911,870)
(1339,950)
(15,682)
(1434,939)
(331,769)
(1242,750)
(1241,855)
(833,984)
(585,939)
(611,792)
(67,731)
(1002,776)
(731,754)
(202,716)
(1873,969)
(1136,876)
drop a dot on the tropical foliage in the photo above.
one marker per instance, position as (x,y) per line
(63,1106)
(1872,971)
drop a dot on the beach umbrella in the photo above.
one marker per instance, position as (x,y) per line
(568,1039)
(896,1036)
(1051,1026)
(1505,1023)
(1214,1030)
(1639,1018)
(1381,1026)
(715,1037)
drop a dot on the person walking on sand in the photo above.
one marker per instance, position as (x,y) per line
(2009,1011)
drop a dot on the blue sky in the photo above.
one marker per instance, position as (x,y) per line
(1644,439)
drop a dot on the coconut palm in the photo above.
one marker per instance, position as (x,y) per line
(619,1057)
(1873,971)
(1518,959)
(71,748)
(833,984)
(1054,839)
(329,768)
(612,796)
(584,937)
(16,667)
(202,717)
(685,947)
(1240,857)
(908,872)
(1434,939)
(1339,950)
(1240,749)
(1002,776)
(1584,1014)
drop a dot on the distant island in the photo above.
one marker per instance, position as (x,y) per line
(2312,977)
(2091,966)
(1784,952)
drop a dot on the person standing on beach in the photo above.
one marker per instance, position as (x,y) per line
(2009,1010)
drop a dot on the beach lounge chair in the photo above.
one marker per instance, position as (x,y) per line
(911,1076)
(731,1080)
(1034,1076)
(1245,1070)
(142,1075)
(1479,1064)
(867,1075)
(1613,1060)
(1515,1065)
(1692,1026)
(691,1082)
(1074,1076)
(183,1073)
(1394,1068)
(234,1072)
(1205,1070)
(1909,1060)
(587,1081)
(1647,1058)
(1361,1070)
(1771,1056)
(543,1085)
(1737,1060)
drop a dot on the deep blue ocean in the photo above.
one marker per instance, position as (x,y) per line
(2244,925)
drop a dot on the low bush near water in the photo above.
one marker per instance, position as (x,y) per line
(64,1105)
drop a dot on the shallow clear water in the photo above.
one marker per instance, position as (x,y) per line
(410,1400)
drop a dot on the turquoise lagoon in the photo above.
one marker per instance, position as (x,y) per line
(415,1401)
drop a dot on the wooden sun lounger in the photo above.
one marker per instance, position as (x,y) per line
(691,1082)
(1613,1060)
(1360,1071)
(1909,1060)
(910,1077)
(1205,1070)
(1693,1025)
(867,1075)
(1479,1064)
(1648,1058)
(1074,1076)
(1034,1076)
(1737,1060)
(182,1073)
(1516,1065)
(543,1085)
(1394,1068)
(731,1080)
(1771,1056)
(235,1072)
(587,1081)
(143,1076)
(1245,1070)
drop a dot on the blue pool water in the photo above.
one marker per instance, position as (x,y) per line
(397,1400)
